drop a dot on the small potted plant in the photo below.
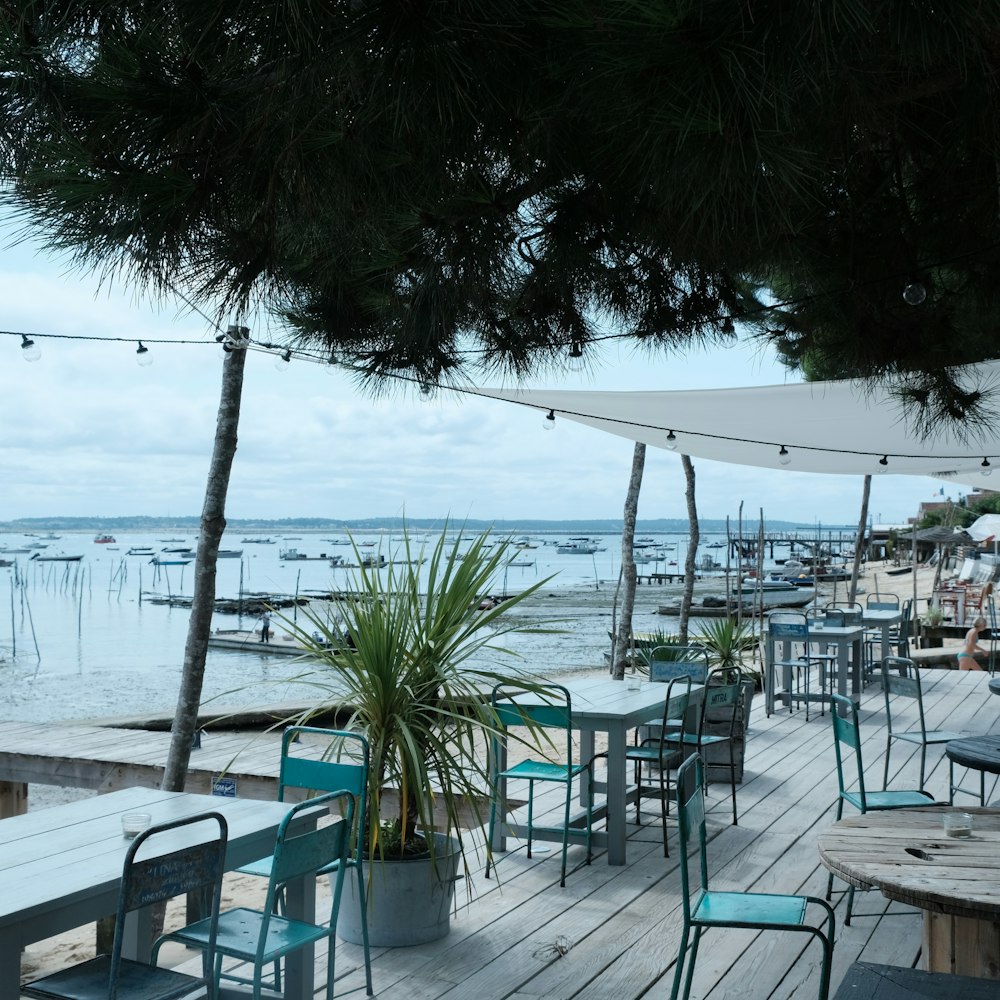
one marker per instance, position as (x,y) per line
(395,662)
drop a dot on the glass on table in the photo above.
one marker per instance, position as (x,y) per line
(958,824)
(133,823)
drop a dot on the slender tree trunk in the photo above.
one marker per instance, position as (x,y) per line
(859,540)
(213,523)
(691,560)
(623,634)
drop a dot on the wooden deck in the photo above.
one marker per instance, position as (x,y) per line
(613,932)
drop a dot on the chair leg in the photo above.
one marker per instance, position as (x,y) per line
(363,900)
(850,904)
(679,967)
(664,798)
(732,778)
(923,763)
(689,978)
(565,843)
(885,773)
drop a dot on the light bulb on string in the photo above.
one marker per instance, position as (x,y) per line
(883,463)
(914,293)
(575,363)
(426,390)
(283,361)
(672,441)
(985,468)
(29,349)
(550,420)
(143,358)
(783,457)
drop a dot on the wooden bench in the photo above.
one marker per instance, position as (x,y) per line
(865,981)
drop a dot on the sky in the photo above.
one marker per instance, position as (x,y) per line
(88,432)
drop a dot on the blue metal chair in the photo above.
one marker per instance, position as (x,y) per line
(263,937)
(554,713)
(846,733)
(901,678)
(160,874)
(703,908)
(656,756)
(791,629)
(344,767)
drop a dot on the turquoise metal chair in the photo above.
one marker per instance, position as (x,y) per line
(703,908)
(159,875)
(723,695)
(901,679)
(846,733)
(344,767)
(654,755)
(555,713)
(264,937)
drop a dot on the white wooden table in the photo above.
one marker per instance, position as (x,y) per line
(61,868)
(601,705)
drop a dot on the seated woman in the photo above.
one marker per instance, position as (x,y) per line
(967,657)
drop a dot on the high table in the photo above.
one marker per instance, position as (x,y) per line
(848,642)
(956,882)
(61,868)
(599,706)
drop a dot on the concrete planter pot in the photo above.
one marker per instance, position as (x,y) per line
(409,902)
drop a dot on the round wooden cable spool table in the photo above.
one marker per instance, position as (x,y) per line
(905,854)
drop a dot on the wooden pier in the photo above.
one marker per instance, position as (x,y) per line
(613,931)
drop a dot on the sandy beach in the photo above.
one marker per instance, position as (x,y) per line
(583,618)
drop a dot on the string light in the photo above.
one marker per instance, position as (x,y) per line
(987,470)
(884,460)
(575,363)
(672,441)
(550,420)
(783,457)
(283,361)
(914,293)
(28,349)
(142,356)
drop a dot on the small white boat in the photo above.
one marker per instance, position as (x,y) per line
(577,547)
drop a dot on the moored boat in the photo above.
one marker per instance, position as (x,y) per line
(577,547)
(104,540)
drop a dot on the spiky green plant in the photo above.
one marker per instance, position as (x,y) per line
(399,669)
(727,641)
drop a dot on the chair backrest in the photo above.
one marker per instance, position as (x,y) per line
(723,696)
(676,704)
(853,612)
(164,871)
(883,602)
(788,625)
(297,855)
(847,737)
(668,662)
(344,766)
(901,677)
(691,827)
(548,706)
(836,617)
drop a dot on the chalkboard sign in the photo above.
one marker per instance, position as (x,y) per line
(223,786)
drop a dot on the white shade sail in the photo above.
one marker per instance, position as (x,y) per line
(831,427)
(985,528)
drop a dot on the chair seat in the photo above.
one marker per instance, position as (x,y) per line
(542,770)
(89,981)
(239,933)
(891,799)
(652,755)
(756,909)
(932,736)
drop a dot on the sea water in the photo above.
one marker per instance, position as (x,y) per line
(87,639)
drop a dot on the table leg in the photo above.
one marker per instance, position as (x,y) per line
(616,793)
(961,946)
(10,965)
(300,898)
(500,764)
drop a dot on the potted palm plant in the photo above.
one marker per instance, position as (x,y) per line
(401,661)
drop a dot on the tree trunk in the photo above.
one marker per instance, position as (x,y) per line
(691,559)
(213,523)
(623,635)
(859,540)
